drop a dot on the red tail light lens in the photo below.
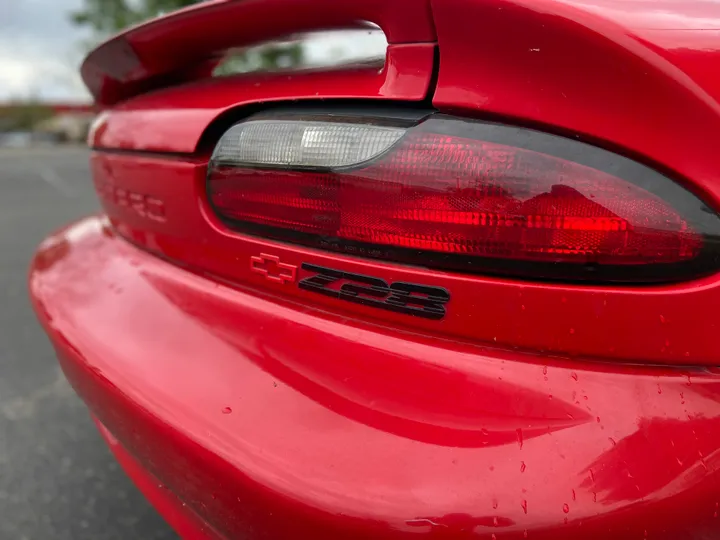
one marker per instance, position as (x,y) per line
(461,195)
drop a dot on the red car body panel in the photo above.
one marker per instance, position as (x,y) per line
(180,516)
(246,407)
(175,120)
(276,420)
(664,324)
(187,44)
(639,77)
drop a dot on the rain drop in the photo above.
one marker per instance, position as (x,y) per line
(520,438)
(226,410)
(574,376)
(522,466)
(574,497)
(566,508)
(524,507)
(494,504)
(612,441)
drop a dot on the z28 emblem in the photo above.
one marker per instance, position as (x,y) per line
(400,297)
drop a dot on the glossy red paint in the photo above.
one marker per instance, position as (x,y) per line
(532,410)
(275,420)
(664,324)
(186,522)
(186,45)
(639,77)
(175,119)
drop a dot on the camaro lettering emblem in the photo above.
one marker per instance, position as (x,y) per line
(400,297)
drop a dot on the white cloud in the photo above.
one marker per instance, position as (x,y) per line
(40,50)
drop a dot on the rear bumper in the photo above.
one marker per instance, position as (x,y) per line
(263,419)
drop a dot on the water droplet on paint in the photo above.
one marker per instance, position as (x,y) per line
(524,506)
(226,410)
(522,466)
(566,508)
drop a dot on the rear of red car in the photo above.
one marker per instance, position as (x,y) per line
(470,294)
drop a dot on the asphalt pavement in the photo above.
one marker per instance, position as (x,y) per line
(58,481)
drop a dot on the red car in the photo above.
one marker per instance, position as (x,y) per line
(472,294)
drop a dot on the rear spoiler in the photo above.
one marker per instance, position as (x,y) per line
(187,45)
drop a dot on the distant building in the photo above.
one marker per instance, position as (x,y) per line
(57,121)
(70,122)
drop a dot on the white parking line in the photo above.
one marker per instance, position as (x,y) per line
(51,177)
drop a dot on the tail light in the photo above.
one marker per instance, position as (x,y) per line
(459,195)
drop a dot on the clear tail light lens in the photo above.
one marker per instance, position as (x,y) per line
(461,195)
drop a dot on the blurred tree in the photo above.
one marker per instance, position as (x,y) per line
(108,16)
(23,115)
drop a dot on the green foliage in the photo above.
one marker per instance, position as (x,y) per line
(108,16)
(264,57)
(23,116)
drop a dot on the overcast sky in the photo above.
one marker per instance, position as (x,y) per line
(40,50)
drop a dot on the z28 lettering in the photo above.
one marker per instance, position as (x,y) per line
(400,297)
